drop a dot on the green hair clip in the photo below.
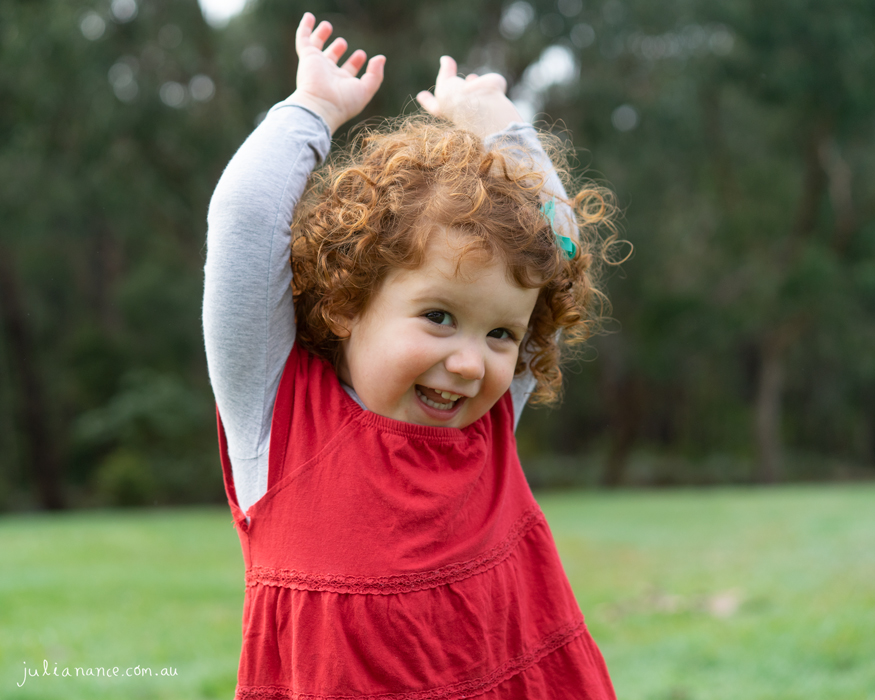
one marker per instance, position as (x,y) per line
(548,211)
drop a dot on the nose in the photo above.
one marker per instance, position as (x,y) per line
(467,360)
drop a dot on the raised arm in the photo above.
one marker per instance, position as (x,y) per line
(479,103)
(248,314)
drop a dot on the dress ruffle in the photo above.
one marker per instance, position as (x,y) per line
(399,583)
(456,639)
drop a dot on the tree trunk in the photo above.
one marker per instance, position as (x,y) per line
(775,344)
(767,423)
(814,183)
(770,387)
(839,176)
(33,413)
(624,406)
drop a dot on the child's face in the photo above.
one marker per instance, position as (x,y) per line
(431,330)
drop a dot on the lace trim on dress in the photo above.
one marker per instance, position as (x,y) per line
(455,691)
(399,583)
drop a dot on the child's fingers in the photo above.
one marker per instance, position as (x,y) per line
(305,29)
(373,77)
(336,49)
(470,77)
(429,102)
(320,34)
(375,69)
(355,62)
(495,81)
(448,69)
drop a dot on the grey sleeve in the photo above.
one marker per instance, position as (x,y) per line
(521,140)
(248,316)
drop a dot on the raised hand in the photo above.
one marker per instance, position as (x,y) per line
(332,91)
(477,102)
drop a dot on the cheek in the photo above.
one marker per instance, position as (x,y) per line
(502,373)
(411,355)
(397,358)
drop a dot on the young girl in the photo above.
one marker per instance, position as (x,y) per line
(368,393)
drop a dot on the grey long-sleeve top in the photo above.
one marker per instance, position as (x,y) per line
(249,320)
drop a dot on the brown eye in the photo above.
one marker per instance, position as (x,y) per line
(442,318)
(501,334)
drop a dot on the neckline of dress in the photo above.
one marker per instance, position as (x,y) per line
(413,430)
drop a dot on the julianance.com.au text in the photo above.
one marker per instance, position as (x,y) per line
(93,672)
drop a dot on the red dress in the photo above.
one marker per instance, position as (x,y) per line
(401,562)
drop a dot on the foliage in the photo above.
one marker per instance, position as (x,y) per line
(738,135)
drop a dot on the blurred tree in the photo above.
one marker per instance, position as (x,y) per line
(738,135)
(734,132)
(803,66)
(112,143)
(744,114)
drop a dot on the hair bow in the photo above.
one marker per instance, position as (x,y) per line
(548,211)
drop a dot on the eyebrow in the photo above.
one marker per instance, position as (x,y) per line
(429,297)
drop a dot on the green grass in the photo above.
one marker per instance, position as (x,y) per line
(691,595)
(727,594)
(156,589)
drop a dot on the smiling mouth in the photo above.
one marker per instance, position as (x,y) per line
(440,400)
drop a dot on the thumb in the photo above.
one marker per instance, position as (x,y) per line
(448,68)
(373,77)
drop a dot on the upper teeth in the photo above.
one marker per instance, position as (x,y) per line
(444,394)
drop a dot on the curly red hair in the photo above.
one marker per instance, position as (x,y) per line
(373,207)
